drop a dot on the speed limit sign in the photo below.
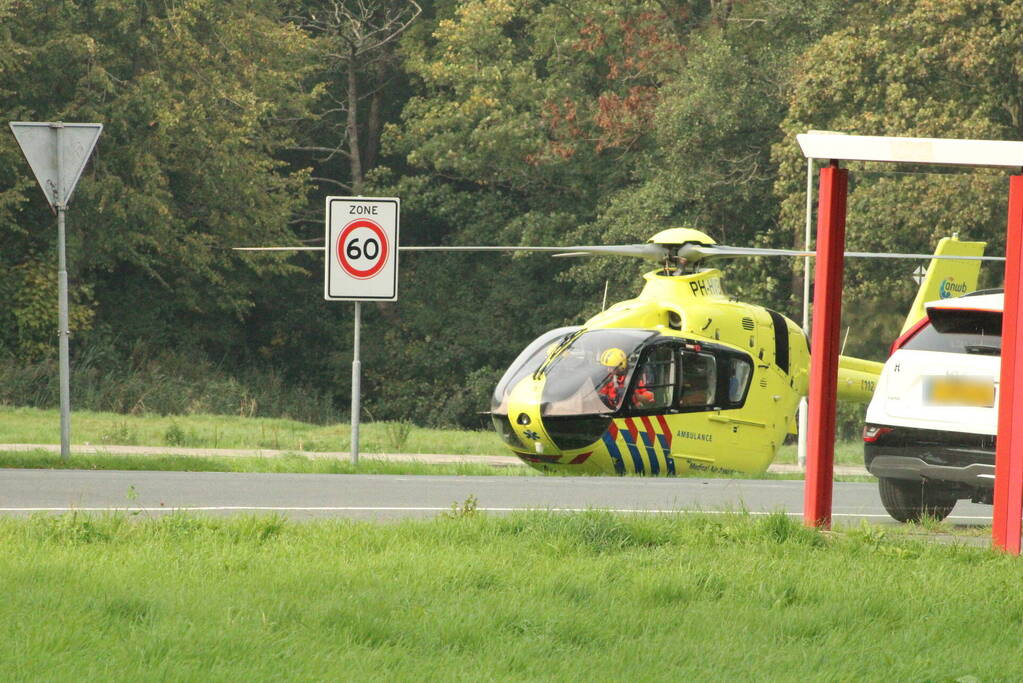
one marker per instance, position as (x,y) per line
(362,249)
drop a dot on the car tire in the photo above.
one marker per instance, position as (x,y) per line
(909,501)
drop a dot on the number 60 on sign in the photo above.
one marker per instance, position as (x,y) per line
(362,249)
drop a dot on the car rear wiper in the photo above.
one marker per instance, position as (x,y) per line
(984,349)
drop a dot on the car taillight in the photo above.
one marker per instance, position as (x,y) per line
(909,334)
(872,433)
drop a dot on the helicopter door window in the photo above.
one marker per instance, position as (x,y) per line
(654,386)
(699,380)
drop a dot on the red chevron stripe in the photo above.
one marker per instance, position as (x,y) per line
(632,429)
(580,459)
(665,429)
(649,430)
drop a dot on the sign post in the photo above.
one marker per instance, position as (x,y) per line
(361,265)
(57,153)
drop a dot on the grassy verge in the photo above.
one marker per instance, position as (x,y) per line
(288,463)
(293,463)
(34,425)
(533,596)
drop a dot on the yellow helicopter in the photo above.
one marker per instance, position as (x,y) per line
(682,379)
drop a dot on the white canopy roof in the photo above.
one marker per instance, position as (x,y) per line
(823,145)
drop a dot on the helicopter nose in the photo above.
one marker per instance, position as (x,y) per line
(524,414)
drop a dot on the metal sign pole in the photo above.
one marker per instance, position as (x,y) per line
(802,415)
(361,265)
(356,386)
(57,153)
(62,303)
(63,332)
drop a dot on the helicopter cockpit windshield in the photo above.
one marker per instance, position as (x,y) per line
(528,362)
(591,374)
(577,382)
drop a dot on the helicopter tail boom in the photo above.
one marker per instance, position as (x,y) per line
(857,378)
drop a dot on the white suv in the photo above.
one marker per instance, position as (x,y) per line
(930,428)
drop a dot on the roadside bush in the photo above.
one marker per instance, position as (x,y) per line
(458,403)
(849,419)
(161,382)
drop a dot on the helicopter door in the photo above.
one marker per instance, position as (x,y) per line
(746,434)
(653,388)
(700,390)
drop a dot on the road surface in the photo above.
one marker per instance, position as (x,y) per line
(385,497)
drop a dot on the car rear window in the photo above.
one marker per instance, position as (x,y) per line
(958,331)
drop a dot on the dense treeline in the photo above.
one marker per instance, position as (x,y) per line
(496,122)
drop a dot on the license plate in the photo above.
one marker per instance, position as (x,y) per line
(960,391)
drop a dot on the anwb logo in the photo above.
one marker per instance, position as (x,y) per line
(950,288)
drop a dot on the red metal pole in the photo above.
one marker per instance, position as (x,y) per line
(827,315)
(1005,531)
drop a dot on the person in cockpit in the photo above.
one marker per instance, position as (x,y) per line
(610,390)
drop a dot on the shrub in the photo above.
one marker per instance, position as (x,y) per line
(162,382)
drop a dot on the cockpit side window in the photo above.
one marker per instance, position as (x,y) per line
(738,376)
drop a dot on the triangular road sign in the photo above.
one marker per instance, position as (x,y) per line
(57,153)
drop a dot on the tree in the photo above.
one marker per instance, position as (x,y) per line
(709,162)
(356,42)
(196,98)
(925,69)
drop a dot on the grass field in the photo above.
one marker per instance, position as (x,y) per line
(533,596)
(31,425)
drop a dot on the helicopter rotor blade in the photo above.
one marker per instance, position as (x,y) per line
(926,257)
(652,252)
(276,248)
(692,253)
(700,252)
(470,248)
